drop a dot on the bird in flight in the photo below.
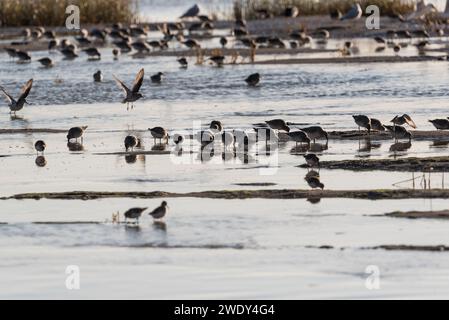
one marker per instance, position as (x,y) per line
(16,105)
(133,94)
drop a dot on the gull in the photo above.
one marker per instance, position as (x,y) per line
(354,13)
(16,105)
(132,95)
(160,211)
(134,213)
(40,146)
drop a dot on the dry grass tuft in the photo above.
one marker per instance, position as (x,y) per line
(52,12)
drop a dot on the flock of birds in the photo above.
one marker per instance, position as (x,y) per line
(126,39)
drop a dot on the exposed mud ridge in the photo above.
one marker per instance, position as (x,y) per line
(372,59)
(439,164)
(443,214)
(241,194)
(403,247)
(29,130)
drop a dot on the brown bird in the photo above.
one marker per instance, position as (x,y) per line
(160,211)
(40,146)
(404,119)
(133,94)
(253,80)
(16,105)
(134,213)
(76,133)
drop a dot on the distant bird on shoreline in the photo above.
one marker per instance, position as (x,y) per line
(314,182)
(160,211)
(76,133)
(157,78)
(131,142)
(46,62)
(440,124)
(399,132)
(363,121)
(316,132)
(98,76)
(299,136)
(132,95)
(191,12)
(159,133)
(404,119)
(134,213)
(40,146)
(17,105)
(278,124)
(183,62)
(253,79)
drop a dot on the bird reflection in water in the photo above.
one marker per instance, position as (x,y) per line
(300,149)
(41,161)
(319,147)
(400,146)
(160,226)
(131,158)
(366,146)
(75,146)
(440,144)
(314,200)
(159,147)
(207,152)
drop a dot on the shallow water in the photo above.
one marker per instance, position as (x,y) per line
(216,248)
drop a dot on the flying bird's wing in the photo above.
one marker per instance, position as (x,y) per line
(138,82)
(122,85)
(409,121)
(26,89)
(7,96)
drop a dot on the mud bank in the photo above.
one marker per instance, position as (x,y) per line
(443,214)
(440,164)
(241,194)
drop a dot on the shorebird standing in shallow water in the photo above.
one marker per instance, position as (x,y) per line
(253,80)
(40,146)
(159,133)
(376,125)
(157,78)
(133,94)
(98,76)
(316,132)
(399,132)
(363,121)
(183,62)
(440,124)
(404,119)
(160,211)
(299,137)
(278,124)
(46,62)
(134,213)
(16,105)
(76,133)
(131,142)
